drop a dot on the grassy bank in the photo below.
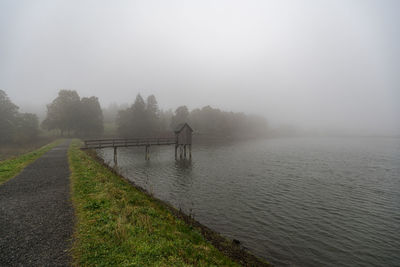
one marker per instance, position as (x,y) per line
(119,225)
(11,167)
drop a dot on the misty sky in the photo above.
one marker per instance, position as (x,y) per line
(318,64)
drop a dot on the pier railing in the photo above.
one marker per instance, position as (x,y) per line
(131,142)
(182,141)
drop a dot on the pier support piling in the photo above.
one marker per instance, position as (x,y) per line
(147,153)
(115,155)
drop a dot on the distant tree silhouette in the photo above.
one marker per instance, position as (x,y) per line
(138,120)
(14,126)
(123,121)
(27,127)
(68,113)
(63,113)
(91,117)
(213,121)
(181,116)
(153,115)
(141,119)
(165,120)
(146,119)
(8,114)
(111,112)
(131,121)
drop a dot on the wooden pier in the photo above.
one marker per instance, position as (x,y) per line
(182,142)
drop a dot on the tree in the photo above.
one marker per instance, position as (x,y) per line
(27,127)
(91,117)
(64,112)
(14,126)
(213,121)
(153,115)
(165,119)
(124,123)
(8,114)
(132,121)
(181,116)
(139,123)
(111,112)
(68,113)
(145,119)
(141,119)
(152,105)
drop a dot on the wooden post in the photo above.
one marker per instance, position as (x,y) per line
(115,155)
(176,152)
(190,151)
(180,151)
(148,152)
(184,151)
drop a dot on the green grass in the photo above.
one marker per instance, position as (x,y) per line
(9,168)
(117,225)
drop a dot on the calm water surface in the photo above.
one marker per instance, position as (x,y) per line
(295,202)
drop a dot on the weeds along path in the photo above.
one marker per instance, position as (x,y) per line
(36,213)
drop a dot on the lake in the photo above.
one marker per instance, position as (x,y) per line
(292,201)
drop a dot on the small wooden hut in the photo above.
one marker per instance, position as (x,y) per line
(183,135)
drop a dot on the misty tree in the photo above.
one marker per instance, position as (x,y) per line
(165,120)
(26,127)
(138,120)
(213,121)
(207,120)
(124,123)
(111,112)
(63,113)
(8,113)
(141,119)
(15,126)
(68,113)
(181,116)
(153,115)
(91,117)
(146,119)
(132,121)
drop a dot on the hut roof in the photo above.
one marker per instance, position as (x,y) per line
(180,127)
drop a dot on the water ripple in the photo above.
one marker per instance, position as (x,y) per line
(296,202)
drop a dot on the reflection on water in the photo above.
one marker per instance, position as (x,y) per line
(296,202)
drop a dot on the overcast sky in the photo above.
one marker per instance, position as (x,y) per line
(318,64)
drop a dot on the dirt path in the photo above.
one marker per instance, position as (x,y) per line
(36,213)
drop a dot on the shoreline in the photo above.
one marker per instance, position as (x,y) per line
(231,249)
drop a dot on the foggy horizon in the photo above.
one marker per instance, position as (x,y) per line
(328,66)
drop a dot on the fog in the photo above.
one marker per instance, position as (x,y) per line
(326,66)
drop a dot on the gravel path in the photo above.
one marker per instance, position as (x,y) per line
(36,213)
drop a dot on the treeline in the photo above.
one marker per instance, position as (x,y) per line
(144,118)
(212,121)
(71,115)
(16,127)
